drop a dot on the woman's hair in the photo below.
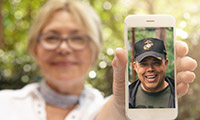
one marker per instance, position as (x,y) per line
(83,13)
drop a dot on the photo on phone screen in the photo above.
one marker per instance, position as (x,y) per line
(151,67)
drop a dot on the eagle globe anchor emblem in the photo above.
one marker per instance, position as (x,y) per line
(148,44)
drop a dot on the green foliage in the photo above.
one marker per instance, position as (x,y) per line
(170,52)
(17,67)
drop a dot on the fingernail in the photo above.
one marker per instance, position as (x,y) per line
(118,49)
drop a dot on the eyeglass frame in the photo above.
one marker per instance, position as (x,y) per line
(65,39)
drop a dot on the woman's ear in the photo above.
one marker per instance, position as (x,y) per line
(35,54)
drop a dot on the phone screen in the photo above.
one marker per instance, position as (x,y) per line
(151,70)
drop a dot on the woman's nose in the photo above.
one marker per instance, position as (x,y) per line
(64,48)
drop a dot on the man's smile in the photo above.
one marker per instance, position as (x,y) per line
(151,78)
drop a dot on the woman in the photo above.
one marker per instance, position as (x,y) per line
(65,40)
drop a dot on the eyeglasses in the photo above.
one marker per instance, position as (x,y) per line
(53,41)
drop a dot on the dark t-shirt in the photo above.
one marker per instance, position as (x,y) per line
(152,100)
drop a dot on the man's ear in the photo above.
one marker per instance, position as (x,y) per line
(134,65)
(166,62)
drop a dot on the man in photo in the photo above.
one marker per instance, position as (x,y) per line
(152,89)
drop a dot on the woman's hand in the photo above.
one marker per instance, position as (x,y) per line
(114,109)
(185,65)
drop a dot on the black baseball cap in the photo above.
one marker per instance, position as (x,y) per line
(149,47)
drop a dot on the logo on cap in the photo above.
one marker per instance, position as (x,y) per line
(159,58)
(147,44)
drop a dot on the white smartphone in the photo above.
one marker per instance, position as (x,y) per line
(150,75)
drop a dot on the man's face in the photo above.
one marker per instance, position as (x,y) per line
(151,73)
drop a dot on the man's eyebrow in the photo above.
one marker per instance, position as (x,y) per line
(144,60)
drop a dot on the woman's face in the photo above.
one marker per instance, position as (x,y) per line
(63,68)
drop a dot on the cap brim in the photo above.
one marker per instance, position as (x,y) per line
(157,55)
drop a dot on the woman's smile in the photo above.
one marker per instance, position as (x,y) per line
(64,64)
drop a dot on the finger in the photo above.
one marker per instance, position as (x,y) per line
(185,64)
(119,66)
(120,59)
(185,77)
(182,89)
(181,48)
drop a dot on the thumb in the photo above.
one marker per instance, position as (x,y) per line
(119,66)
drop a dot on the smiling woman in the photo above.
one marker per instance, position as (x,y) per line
(64,67)
(66,47)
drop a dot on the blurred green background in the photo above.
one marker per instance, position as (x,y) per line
(17,68)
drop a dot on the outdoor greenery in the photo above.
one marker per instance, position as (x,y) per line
(17,67)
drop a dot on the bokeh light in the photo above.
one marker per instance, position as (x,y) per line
(110,51)
(92,74)
(102,64)
(107,5)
